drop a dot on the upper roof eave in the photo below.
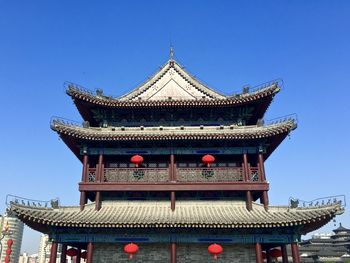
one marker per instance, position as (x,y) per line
(267,91)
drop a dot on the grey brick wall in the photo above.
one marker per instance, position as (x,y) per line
(186,253)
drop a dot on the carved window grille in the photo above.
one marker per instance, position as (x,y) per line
(92,175)
(254,174)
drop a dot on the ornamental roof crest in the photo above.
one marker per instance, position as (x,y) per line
(171,82)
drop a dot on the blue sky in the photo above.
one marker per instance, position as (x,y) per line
(115,45)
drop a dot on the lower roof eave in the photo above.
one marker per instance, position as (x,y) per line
(188,214)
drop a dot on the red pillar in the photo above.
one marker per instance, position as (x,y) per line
(84,179)
(100,168)
(85,168)
(268,256)
(262,167)
(63,254)
(265,200)
(258,253)
(90,251)
(98,200)
(172,200)
(78,258)
(99,179)
(245,167)
(249,201)
(82,200)
(295,252)
(173,252)
(172,168)
(284,253)
(53,253)
(172,179)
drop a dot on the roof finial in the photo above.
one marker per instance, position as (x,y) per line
(171,52)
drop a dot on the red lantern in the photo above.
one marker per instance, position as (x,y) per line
(208,159)
(8,251)
(131,249)
(215,250)
(275,253)
(7,259)
(72,252)
(10,242)
(137,160)
(83,255)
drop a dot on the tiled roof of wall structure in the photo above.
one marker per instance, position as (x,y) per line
(188,214)
(173,133)
(172,86)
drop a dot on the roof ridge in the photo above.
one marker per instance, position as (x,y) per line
(164,70)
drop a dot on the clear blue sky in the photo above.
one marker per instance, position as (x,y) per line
(114,45)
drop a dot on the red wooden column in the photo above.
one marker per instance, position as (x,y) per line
(249,201)
(268,256)
(249,196)
(245,167)
(173,252)
(264,197)
(98,180)
(53,253)
(284,253)
(84,179)
(172,179)
(64,254)
(258,253)
(262,167)
(172,200)
(90,251)
(265,200)
(78,258)
(295,252)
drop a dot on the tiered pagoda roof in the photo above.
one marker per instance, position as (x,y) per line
(172,87)
(188,214)
(73,134)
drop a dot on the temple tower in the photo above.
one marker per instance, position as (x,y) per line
(172,167)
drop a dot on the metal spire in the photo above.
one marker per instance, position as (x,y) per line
(171,52)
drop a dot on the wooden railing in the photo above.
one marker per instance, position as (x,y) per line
(92,174)
(152,175)
(217,174)
(253,174)
(136,175)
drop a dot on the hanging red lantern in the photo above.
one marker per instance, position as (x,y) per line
(208,159)
(131,249)
(8,251)
(10,242)
(7,259)
(275,253)
(72,252)
(137,160)
(215,250)
(83,255)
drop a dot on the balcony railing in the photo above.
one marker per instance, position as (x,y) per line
(222,174)
(162,175)
(136,175)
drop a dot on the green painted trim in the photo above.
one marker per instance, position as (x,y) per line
(167,151)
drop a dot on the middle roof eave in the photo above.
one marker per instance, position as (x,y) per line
(173,133)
